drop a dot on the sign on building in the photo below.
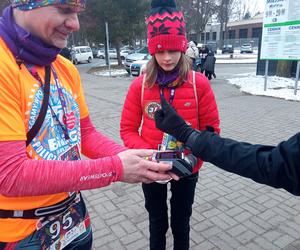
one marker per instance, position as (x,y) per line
(281,30)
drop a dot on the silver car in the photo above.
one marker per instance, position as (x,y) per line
(246,48)
(141,55)
(139,66)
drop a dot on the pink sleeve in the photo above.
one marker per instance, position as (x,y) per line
(50,177)
(95,145)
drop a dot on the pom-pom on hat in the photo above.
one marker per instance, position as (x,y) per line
(166,27)
(33,4)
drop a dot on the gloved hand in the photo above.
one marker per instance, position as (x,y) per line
(167,120)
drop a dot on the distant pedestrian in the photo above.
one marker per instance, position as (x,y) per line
(209,65)
(193,53)
(203,51)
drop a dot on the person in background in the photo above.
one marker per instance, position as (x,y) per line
(275,166)
(169,74)
(45,127)
(203,51)
(209,65)
(193,53)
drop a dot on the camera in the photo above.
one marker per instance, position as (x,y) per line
(182,165)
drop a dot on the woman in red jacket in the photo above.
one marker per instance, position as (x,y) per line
(168,73)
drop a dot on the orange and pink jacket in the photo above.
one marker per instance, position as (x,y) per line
(36,176)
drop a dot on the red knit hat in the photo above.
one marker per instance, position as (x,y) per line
(166,27)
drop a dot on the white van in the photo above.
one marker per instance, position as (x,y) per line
(82,53)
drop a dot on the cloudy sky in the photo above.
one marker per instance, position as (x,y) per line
(256,5)
(253,6)
(260,5)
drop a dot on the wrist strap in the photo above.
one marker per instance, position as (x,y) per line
(190,143)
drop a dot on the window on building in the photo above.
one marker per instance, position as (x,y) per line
(207,36)
(231,34)
(202,37)
(243,33)
(256,32)
(214,36)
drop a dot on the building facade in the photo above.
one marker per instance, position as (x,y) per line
(238,32)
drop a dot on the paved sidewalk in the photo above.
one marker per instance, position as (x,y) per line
(230,212)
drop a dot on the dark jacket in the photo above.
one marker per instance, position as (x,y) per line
(277,167)
(209,62)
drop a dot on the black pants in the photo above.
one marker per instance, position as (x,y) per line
(208,74)
(183,192)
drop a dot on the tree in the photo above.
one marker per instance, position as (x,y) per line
(197,14)
(185,6)
(244,9)
(126,21)
(247,15)
(225,11)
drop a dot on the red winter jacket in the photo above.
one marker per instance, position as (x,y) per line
(136,114)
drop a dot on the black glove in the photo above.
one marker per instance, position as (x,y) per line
(167,120)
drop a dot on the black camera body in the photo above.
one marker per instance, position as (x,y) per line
(181,165)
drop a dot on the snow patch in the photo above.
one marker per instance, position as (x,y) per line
(279,87)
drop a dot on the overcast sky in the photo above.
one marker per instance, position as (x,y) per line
(255,5)
(260,5)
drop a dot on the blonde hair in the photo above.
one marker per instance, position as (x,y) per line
(184,65)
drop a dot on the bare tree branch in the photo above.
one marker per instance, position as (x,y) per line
(197,13)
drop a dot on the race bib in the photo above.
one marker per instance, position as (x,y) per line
(56,232)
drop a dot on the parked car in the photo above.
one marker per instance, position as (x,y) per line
(128,48)
(140,55)
(137,67)
(82,53)
(124,53)
(212,46)
(246,48)
(112,53)
(101,53)
(228,48)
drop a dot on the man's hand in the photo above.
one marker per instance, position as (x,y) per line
(167,120)
(136,167)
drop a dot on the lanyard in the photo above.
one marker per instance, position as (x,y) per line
(41,116)
(62,124)
(63,105)
(61,96)
(172,94)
